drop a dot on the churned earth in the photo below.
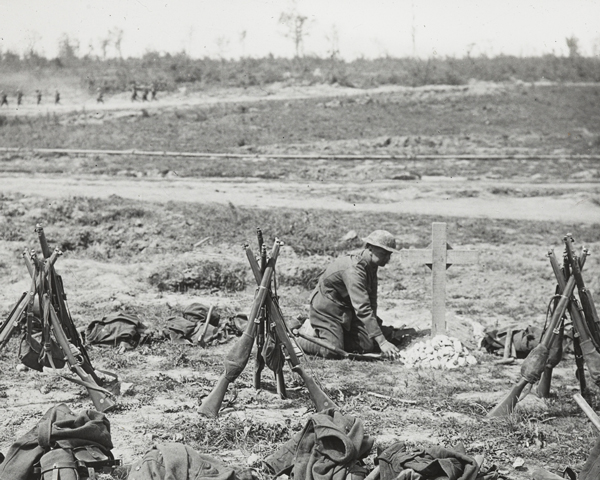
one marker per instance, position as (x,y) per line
(151,235)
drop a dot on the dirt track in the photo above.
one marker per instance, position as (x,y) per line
(428,196)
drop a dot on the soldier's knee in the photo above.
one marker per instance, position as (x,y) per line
(311,348)
(368,345)
(323,352)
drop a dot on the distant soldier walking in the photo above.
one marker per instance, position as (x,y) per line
(100,96)
(38,94)
(3,99)
(153,91)
(56,97)
(134,95)
(145,94)
(19,96)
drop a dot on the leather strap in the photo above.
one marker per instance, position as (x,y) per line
(45,431)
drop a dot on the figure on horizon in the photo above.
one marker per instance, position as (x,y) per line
(38,94)
(3,99)
(56,97)
(19,96)
(100,96)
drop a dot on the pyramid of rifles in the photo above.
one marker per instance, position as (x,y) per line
(539,363)
(44,310)
(266,326)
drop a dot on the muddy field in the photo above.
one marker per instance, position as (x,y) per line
(152,235)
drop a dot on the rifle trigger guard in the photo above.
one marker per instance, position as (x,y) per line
(79,359)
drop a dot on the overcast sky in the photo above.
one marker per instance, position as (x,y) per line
(373,28)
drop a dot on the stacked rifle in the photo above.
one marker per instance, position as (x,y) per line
(540,362)
(51,338)
(266,325)
(266,333)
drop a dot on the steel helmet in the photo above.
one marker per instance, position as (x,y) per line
(382,239)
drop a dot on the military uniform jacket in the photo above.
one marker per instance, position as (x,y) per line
(350,283)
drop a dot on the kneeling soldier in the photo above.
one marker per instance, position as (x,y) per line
(343,307)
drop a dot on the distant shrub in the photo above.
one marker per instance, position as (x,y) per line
(205,275)
(169,72)
(306,277)
(92,211)
(73,240)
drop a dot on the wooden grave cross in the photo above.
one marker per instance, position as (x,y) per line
(439,258)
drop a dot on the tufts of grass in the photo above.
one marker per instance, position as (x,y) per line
(208,275)
(244,434)
(304,277)
(226,433)
(548,113)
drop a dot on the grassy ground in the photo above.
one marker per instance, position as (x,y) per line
(144,258)
(543,119)
(509,285)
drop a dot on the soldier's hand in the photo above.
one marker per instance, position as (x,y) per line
(389,350)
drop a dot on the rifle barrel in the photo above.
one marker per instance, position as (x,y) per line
(585,297)
(318,396)
(42,238)
(8,325)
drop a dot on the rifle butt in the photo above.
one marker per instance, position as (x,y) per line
(590,313)
(235,363)
(375,474)
(212,403)
(237,358)
(588,410)
(591,358)
(555,354)
(534,364)
(543,389)
(318,396)
(101,401)
(507,404)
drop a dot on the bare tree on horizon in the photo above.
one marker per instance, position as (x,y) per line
(297,26)
(117,38)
